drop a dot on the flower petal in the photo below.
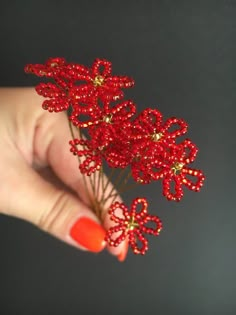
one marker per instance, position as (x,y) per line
(119,82)
(152,230)
(109,94)
(78,72)
(189,151)
(179,126)
(175,193)
(141,213)
(39,70)
(91,164)
(116,235)
(148,121)
(140,171)
(49,90)
(138,242)
(81,115)
(123,111)
(119,213)
(55,105)
(84,149)
(101,63)
(198,183)
(84,93)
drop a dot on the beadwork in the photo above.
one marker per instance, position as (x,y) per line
(132,225)
(144,144)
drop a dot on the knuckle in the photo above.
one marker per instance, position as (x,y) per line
(53,218)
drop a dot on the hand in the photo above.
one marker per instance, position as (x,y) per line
(32,141)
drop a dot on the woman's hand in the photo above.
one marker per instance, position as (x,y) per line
(35,154)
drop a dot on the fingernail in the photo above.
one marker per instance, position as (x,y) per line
(121,257)
(88,234)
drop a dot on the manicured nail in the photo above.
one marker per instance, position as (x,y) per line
(121,257)
(88,234)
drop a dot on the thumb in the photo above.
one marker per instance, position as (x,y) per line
(29,196)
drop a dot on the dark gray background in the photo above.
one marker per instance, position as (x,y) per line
(182,56)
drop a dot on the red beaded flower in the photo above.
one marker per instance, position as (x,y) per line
(132,225)
(100,83)
(177,173)
(58,100)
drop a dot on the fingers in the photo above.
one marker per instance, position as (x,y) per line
(52,147)
(41,138)
(30,197)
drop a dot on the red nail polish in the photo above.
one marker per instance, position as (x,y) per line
(88,234)
(121,257)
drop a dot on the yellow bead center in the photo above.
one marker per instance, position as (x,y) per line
(132,224)
(177,167)
(107,119)
(54,64)
(156,136)
(98,81)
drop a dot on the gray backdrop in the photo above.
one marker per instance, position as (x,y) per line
(182,56)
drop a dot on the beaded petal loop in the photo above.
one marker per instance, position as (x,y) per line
(57,99)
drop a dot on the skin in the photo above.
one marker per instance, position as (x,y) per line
(42,184)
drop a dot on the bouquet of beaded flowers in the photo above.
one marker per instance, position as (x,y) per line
(109,132)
